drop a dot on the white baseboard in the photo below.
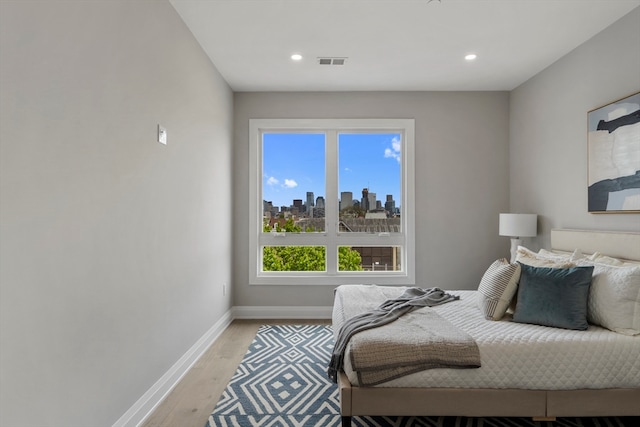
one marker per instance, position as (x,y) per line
(285,312)
(156,394)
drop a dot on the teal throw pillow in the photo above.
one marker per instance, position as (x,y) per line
(554,296)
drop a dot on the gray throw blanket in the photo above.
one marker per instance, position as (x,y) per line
(387,312)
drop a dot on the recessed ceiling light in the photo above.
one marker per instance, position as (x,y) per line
(296,57)
(471,57)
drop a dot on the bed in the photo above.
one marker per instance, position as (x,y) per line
(527,370)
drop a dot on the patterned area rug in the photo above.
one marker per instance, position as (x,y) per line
(282,382)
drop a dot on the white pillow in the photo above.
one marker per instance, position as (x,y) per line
(551,254)
(527,256)
(604,259)
(497,287)
(574,256)
(614,298)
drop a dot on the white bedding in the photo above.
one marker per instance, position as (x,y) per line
(521,356)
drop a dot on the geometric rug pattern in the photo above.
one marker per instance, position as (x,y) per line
(282,382)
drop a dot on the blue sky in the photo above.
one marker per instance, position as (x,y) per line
(294,164)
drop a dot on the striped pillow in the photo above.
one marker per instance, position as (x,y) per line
(497,288)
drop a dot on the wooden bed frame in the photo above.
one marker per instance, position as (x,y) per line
(538,404)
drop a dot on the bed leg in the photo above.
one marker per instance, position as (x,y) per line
(346,421)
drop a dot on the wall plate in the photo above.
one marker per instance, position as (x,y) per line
(162,135)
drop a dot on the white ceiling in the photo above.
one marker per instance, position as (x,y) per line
(392,44)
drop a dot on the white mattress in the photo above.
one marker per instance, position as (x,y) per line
(522,356)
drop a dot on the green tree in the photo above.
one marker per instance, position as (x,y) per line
(349,259)
(289,227)
(293,258)
(353,212)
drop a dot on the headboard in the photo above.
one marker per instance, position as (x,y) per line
(618,244)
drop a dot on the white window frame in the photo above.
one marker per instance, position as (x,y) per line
(331,238)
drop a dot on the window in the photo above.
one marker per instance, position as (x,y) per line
(331,201)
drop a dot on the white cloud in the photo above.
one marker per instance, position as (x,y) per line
(272,181)
(290,183)
(394,151)
(395,143)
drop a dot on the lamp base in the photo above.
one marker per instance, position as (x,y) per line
(515,242)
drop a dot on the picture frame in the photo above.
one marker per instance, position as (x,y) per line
(613,153)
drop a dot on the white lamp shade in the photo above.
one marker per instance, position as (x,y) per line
(518,225)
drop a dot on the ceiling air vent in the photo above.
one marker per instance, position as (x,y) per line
(332,61)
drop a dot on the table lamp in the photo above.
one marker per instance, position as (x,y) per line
(517,226)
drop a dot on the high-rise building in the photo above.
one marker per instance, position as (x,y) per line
(268,210)
(373,205)
(310,199)
(318,210)
(346,199)
(390,205)
(364,203)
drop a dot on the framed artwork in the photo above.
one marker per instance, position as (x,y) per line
(614,157)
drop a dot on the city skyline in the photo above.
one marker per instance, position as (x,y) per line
(294,164)
(379,198)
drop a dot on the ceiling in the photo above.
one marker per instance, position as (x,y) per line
(391,44)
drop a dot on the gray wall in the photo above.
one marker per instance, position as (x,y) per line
(548,129)
(462,185)
(114,247)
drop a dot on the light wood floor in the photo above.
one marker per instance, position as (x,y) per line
(195,396)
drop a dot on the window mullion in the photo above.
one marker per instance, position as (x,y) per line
(331,202)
